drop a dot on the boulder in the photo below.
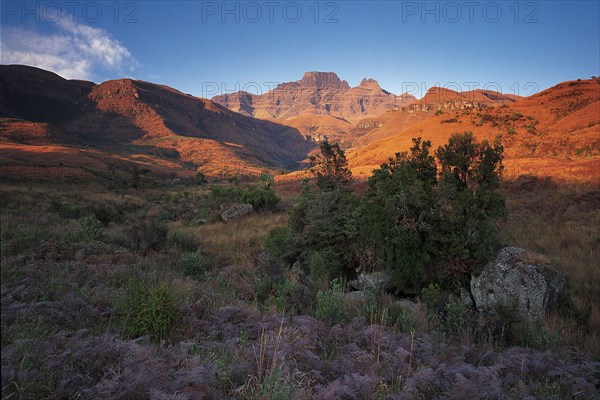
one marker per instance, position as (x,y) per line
(236,212)
(379,281)
(354,297)
(407,305)
(466,299)
(516,279)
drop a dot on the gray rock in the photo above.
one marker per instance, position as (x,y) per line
(379,281)
(265,258)
(298,269)
(465,298)
(407,305)
(236,212)
(282,207)
(353,297)
(513,279)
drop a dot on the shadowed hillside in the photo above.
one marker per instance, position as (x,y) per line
(128,117)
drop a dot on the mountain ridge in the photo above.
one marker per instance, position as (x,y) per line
(169,130)
(318,93)
(143,115)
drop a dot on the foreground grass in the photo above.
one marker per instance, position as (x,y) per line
(154,296)
(562,222)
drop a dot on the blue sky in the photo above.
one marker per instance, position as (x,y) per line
(207,47)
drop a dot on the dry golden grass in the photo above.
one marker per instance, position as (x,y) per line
(237,242)
(563,224)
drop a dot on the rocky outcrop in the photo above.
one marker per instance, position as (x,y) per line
(438,98)
(377,282)
(323,80)
(317,93)
(236,212)
(516,280)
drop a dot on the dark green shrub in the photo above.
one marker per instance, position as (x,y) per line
(331,306)
(194,265)
(65,210)
(281,245)
(430,228)
(398,211)
(330,167)
(17,239)
(457,319)
(402,319)
(146,234)
(261,198)
(150,307)
(319,270)
(431,296)
(266,180)
(91,228)
(183,241)
(200,179)
(224,195)
(322,221)
(329,229)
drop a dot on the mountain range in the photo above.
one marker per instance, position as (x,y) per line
(48,120)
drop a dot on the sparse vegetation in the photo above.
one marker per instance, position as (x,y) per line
(125,294)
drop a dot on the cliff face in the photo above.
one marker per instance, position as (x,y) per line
(317,93)
(438,98)
(323,80)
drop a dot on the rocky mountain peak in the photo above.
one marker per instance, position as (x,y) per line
(323,80)
(369,83)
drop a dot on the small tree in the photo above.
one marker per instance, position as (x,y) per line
(201,179)
(399,209)
(322,221)
(135,178)
(470,203)
(266,180)
(330,167)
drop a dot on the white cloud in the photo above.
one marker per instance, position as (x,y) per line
(73,53)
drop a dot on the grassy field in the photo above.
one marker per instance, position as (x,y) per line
(148,293)
(562,223)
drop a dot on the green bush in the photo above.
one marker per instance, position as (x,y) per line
(266,180)
(183,241)
(283,289)
(65,210)
(90,227)
(146,234)
(398,211)
(17,239)
(431,296)
(328,228)
(318,267)
(150,307)
(331,306)
(220,195)
(330,167)
(457,319)
(200,179)
(280,244)
(194,265)
(431,227)
(402,320)
(260,197)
